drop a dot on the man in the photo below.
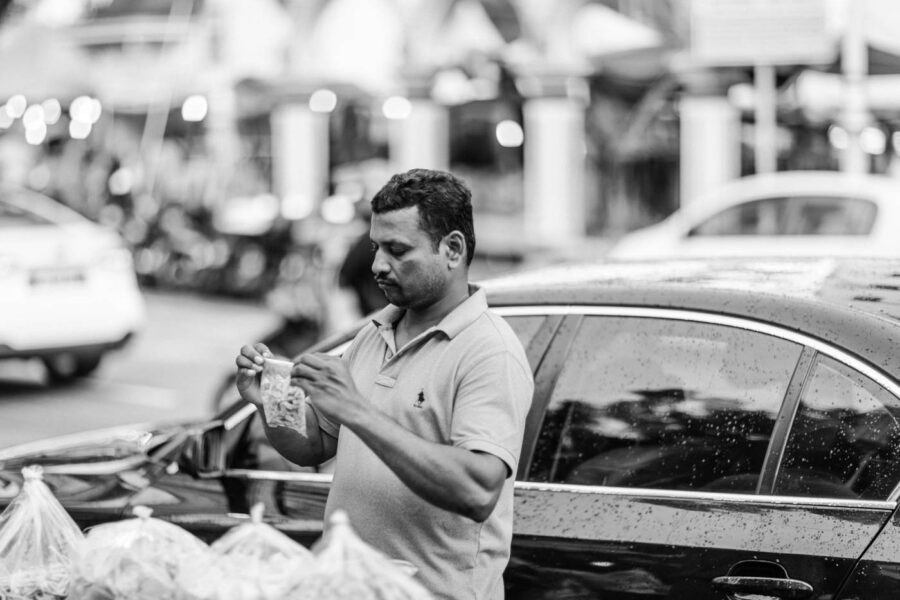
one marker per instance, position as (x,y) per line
(426,410)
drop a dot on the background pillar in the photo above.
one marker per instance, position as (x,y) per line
(554,170)
(300,157)
(710,144)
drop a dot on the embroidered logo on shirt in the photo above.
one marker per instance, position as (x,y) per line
(420,400)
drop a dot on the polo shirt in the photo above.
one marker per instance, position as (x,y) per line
(465,382)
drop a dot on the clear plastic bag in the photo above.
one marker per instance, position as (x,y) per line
(347,568)
(135,559)
(284,405)
(253,561)
(38,541)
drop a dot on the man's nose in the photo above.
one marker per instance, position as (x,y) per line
(379,264)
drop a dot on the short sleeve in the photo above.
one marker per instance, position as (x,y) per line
(492,402)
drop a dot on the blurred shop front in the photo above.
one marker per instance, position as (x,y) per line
(235,144)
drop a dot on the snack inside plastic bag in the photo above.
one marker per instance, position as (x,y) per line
(253,561)
(134,559)
(348,568)
(38,541)
(284,404)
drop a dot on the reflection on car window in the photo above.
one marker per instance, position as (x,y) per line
(845,439)
(652,403)
(793,215)
(525,327)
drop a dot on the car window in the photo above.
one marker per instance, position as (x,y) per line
(14,216)
(35,207)
(655,403)
(793,215)
(845,440)
(525,327)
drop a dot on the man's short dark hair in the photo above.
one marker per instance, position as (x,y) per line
(444,201)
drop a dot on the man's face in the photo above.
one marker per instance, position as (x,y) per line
(406,266)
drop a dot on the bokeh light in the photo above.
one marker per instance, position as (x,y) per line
(36,134)
(85,109)
(33,115)
(396,108)
(323,101)
(52,111)
(509,134)
(194,108)
(79,130)
(16,106)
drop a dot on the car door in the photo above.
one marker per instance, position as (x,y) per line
(655,472)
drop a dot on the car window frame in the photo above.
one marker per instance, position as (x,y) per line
(810,348)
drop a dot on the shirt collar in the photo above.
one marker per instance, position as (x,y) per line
(458,319)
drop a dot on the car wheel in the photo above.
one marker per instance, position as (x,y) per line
(67,366)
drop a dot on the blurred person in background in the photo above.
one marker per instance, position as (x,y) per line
(425,412)
(355,272)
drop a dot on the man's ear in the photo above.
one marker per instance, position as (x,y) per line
(455,248)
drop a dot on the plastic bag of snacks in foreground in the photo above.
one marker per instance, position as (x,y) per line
(134,559)
(347,568)
(253,561)
(38,540)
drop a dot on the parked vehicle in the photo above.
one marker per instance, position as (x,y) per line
(700,429)
(68,290)
(790,213)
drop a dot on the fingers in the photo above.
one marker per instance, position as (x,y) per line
(251,358)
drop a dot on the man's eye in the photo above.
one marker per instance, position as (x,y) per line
(395,251)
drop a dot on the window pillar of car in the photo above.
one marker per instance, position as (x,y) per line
(203,451)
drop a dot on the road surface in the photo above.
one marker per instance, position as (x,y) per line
(168,372)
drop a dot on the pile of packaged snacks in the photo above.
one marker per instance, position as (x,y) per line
(252,561)
(347,568)
(44,556)
(38,539)
(134,559)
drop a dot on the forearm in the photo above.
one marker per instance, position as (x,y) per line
(451,478)
(307,451)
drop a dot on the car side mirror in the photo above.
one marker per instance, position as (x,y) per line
(203,452)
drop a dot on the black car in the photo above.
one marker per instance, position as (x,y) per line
(699,430)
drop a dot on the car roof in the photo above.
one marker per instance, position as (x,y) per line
(850,303)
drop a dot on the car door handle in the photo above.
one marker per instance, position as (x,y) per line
(779,588)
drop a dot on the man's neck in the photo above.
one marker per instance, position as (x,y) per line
(415,321)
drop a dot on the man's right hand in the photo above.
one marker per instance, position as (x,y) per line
(249,365)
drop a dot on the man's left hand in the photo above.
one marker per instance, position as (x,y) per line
(327,381)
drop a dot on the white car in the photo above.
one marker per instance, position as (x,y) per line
(790,213)
(68,290)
